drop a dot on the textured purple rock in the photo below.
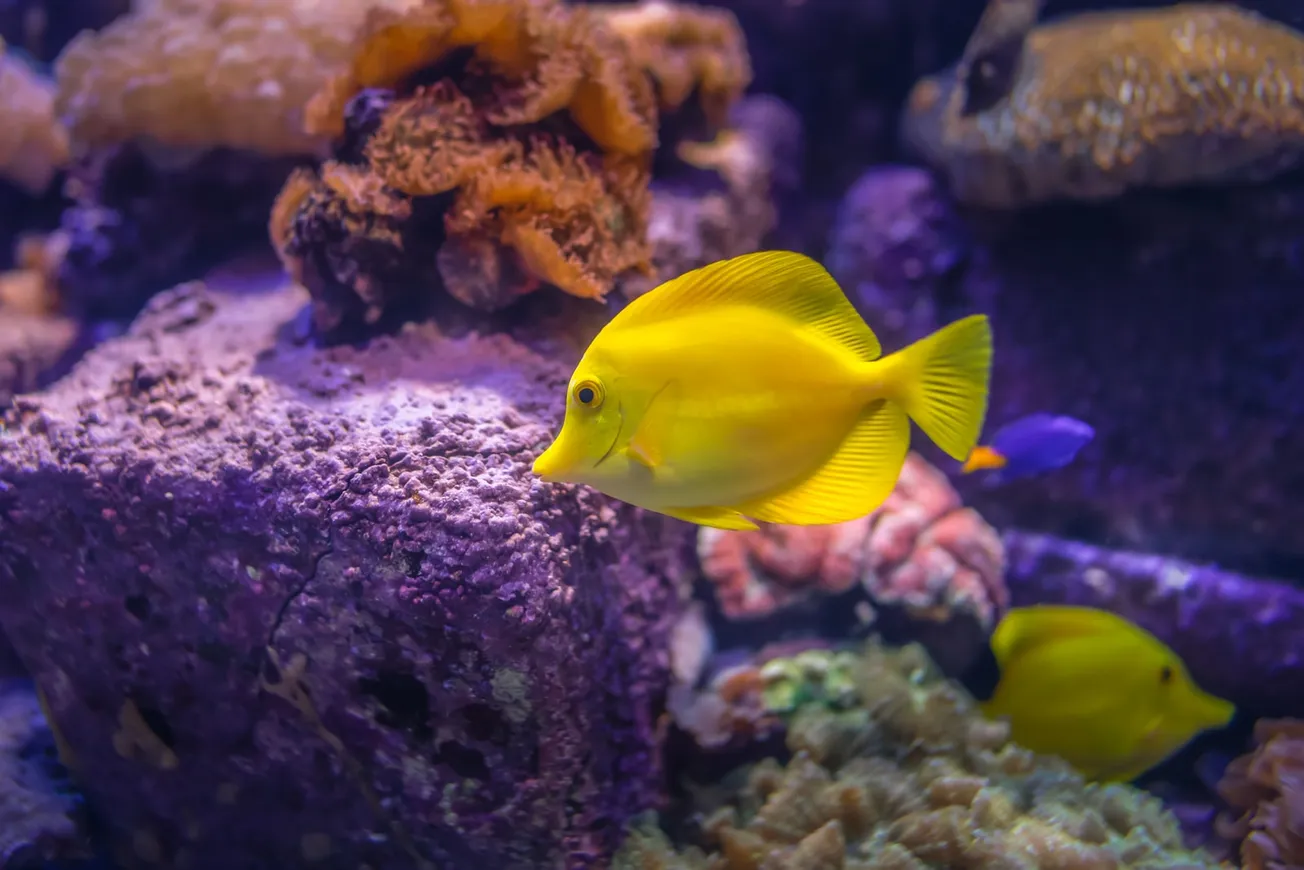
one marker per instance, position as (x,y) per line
(1242,638)
(296,607)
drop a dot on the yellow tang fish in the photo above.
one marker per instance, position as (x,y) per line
(1098,691)
(750,389)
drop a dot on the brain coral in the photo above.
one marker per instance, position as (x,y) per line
(922,553)
(1096,104)
(524,156)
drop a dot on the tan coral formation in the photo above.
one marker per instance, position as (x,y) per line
(208,73)
(913,779)
(535,121)
(1265,789)
(33,143)
(1092,105)
(32,287)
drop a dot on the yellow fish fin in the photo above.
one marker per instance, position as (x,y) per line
(647,443)
(782,282)
(855,481)
(941,380)
(715,517)
(1026,628)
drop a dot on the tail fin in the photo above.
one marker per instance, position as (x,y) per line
(941,381)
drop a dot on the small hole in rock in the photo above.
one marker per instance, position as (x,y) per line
(158,723)
(271,673)
(484,723)
(411,564)
(405,701)
(138,606)
(466,763)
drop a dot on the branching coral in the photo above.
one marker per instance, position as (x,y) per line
(1266,792)
(33,144)
(921,550)
(1099,103)
(526,126)
(914,778)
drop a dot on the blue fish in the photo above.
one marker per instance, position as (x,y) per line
(1030,445)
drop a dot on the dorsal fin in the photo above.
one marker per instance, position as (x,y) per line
(1024,628)
(782,282)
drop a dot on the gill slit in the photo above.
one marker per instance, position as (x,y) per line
(614,441)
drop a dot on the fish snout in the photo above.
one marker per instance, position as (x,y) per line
(545,466)
(554,463)
(1214,712)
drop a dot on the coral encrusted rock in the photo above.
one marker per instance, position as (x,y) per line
(296,607)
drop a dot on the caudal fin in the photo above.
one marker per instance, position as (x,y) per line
(941,382)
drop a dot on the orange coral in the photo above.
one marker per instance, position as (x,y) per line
(33,143)
(535,133)
(1266,791)
(547,56)
(922,550)
(685,49)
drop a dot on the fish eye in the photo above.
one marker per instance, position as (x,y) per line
(589,394)
(1166,674)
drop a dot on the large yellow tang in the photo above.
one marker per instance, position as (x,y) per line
(751,389)
(1101,693)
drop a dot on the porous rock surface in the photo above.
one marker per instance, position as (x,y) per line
(294,607)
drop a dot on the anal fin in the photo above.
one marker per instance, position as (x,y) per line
(856,480)
(715,517)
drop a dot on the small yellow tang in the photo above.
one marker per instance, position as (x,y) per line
(1098,691)
(751,389)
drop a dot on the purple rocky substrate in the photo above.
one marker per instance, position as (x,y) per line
(1241,637)
(304,607)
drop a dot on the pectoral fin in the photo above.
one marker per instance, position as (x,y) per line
(647,446)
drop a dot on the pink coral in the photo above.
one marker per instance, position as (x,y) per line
(1265,790)
(922,550)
